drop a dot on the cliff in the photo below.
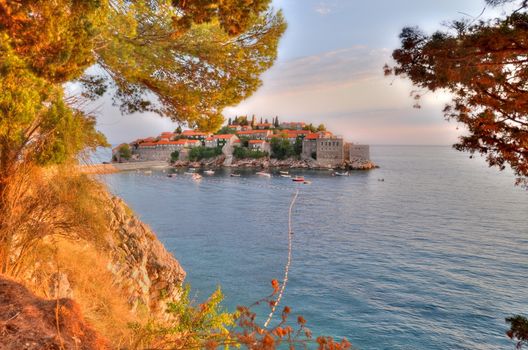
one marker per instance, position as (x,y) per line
(142,267)
(124,275)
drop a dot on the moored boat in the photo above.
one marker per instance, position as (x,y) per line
(341,174)
(209,172)
(234,175)
(262,173)
(298,179)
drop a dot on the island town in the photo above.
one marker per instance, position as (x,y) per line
(245,142)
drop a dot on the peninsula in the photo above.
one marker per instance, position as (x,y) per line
(248,143)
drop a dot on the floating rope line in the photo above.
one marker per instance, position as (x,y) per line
(287,267)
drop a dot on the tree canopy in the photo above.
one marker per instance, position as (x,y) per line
(484,66)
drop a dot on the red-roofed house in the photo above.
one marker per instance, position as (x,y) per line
(255,134)
(222,139)
(194,135)
(292,125)
(259,145)
(263,126)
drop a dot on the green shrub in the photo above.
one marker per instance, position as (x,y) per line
(242,152)
(175,156)
(199,153)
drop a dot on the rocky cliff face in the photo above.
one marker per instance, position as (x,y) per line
(147,273)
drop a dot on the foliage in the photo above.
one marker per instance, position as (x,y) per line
(244,141)
(46,203)
(297,146)
(244,153)
(518,330)
(186,60)
(175,156)
(276,123)
(483,66)
(201,152)
(225,130)
(310,127)
(281,148)
(241,120)
(321,127)
(178,130)
(124,151)
(210,326)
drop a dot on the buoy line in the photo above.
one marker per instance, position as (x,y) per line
(288,263)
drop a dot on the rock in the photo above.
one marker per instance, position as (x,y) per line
(141,265)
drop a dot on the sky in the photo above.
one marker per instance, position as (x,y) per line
(329,70)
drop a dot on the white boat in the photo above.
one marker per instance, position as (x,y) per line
(234,175)
(189,173)
(147,172)
(285,175)
(209,172)
(341,174)
(284,172)
(262,173)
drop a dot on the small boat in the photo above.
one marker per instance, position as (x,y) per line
(285,175)
(341,174)
(298,179)
(284,172)
(262,173)
(234,175)
(189,173)
(171,175)
(209,172)
(147,172)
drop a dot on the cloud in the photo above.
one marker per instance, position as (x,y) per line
(346,89)
(323,8)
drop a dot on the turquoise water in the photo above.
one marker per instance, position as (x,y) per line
(434,257)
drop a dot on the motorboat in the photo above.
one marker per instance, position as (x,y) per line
(262,173)
(234,175)
(209,172)
(284,172)
(285,175)
(298,179)
(342,174)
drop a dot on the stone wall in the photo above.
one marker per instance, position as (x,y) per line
(330,151)
(359,152)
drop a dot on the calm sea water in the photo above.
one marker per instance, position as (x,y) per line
(434,257)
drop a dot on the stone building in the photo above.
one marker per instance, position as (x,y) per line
(255,134)
(292,125)
(259,145)
(359,152)
(309,146)
(330,151)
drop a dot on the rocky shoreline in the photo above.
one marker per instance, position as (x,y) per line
(266,163)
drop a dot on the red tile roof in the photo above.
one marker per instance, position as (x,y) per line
(252,132)
(193,133)
(224,136)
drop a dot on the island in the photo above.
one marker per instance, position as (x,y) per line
(248,143)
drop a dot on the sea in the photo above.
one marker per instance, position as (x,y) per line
(430,251)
